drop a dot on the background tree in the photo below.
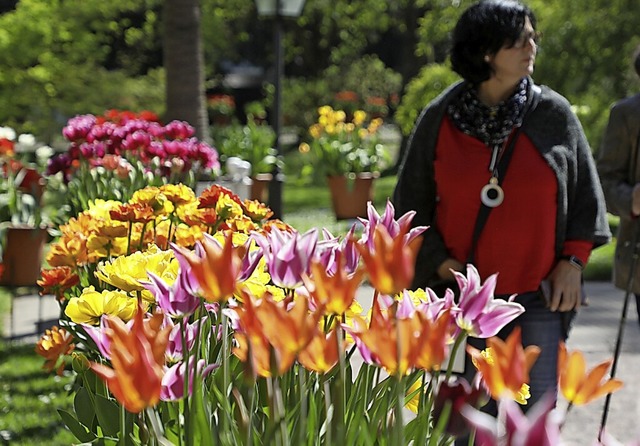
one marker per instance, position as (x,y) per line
(184,65)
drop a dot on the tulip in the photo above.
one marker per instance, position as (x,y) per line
(266,325)
(175,347)
(387,220)
(540,426)
(175,300)
(92,305)
(505,366)
(388,341)
(333,292)
(288,255)
(480,314)
(137,357)
(391,263)
(578,386)
(321,354)
(54,344)
(460,394)
(218,269)
(174,376)
(57,280)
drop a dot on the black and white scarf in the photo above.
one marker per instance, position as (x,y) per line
(491,125)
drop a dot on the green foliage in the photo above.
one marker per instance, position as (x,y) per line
(30,397)
(301,99)
(373,83)
(252,142)
(55,56)
(431,81)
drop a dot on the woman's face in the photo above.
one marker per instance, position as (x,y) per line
(512,64)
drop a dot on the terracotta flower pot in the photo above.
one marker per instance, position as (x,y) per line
(22,255)
(260,187)
(349,196)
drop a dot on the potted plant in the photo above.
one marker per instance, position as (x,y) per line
(253,142)
(351,157)
(221,108)
(22,232)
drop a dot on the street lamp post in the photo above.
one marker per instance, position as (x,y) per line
(278,9)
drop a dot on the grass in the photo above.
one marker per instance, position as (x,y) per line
(29,397)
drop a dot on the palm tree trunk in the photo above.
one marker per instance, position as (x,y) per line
(184,65)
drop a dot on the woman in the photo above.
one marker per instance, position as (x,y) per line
(546,207)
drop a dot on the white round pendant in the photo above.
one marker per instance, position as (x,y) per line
(492,194)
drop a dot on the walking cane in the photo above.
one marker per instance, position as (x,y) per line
(623,320)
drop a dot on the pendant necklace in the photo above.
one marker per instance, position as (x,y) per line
(492,194)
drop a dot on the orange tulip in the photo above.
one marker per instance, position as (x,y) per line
(391,264)
(52,345)
(217,271)
(321,354)
(134,212)
(578,386)
(505,366)
(335,293)
(68,250)
(432,345)
(137,357)
(57,280)
(289,328)
(267,325)
(390,342)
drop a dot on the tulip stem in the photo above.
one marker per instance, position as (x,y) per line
(452,355)
(185,359)
(303,405)
(342,395)
(123,425)
(327,404)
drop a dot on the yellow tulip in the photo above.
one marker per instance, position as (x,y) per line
(126,272)
(92,305)
(578,386)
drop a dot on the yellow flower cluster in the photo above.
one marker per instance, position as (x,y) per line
(113,246)
(334,123)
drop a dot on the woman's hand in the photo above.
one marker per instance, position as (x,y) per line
(444,270)
(566,285)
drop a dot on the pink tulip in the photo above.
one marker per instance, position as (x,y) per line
(480,314)
(176,300)
(288,255)
(174,377)
(540,427)
(387,219)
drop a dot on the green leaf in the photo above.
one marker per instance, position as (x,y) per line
(83,407)
(76,428)
(108,414)
(198,418)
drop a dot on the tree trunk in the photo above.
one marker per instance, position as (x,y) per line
(184,65)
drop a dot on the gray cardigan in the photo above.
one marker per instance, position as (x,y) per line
(556,133)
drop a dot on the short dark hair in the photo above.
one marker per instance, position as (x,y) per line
(484,28)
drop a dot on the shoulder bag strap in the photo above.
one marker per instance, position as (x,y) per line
(483,213)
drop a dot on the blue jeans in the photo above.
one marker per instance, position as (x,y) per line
(540,327)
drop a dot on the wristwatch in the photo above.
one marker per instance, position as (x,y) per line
(574,261)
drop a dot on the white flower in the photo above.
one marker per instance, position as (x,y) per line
(27,140)
(7,133)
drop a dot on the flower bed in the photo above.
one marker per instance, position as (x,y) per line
(196,320)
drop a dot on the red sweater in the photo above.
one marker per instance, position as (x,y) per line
(519,236)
